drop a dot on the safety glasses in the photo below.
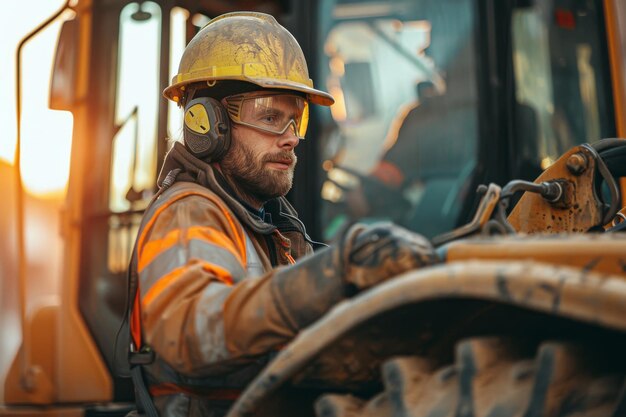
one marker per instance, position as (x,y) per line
(272,113)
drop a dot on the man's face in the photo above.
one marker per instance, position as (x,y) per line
(262,163)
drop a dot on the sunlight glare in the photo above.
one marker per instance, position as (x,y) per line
(138,53)
(46,134)
(178,19)
(46,152)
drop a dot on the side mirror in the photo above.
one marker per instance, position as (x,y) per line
(63,83)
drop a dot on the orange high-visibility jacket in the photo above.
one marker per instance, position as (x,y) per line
(203,304)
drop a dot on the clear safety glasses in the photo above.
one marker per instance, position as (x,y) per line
(272,113)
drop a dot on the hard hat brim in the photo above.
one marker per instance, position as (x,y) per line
(175,91)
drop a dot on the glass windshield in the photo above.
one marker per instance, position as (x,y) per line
(562,91)
(133,164)
(405,122)
(136,109)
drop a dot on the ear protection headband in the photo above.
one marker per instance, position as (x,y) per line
(207,128)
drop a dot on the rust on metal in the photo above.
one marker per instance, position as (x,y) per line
(533,214)
(577,163)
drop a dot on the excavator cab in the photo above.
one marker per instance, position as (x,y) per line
(433,98)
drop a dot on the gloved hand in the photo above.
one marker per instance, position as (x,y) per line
(375,253)
(364,257)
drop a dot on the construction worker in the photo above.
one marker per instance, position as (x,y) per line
(216,291)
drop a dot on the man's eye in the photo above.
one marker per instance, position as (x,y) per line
(269,119)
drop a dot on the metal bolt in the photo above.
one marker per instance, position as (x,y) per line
(577,163)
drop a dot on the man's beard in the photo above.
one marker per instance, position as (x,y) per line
(251,176)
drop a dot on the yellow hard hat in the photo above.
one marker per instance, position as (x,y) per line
(245,46)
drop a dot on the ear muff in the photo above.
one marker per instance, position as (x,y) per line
(206,128)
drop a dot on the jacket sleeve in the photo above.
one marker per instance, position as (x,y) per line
(190,256)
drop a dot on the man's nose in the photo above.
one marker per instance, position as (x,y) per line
(289,139)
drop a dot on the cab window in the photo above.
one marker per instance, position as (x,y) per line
(562,86)
(405,122)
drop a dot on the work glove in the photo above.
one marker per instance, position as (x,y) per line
(373,254)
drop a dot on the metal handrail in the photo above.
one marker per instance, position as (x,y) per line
(27,379)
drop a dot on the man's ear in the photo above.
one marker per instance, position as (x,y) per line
(206,130)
